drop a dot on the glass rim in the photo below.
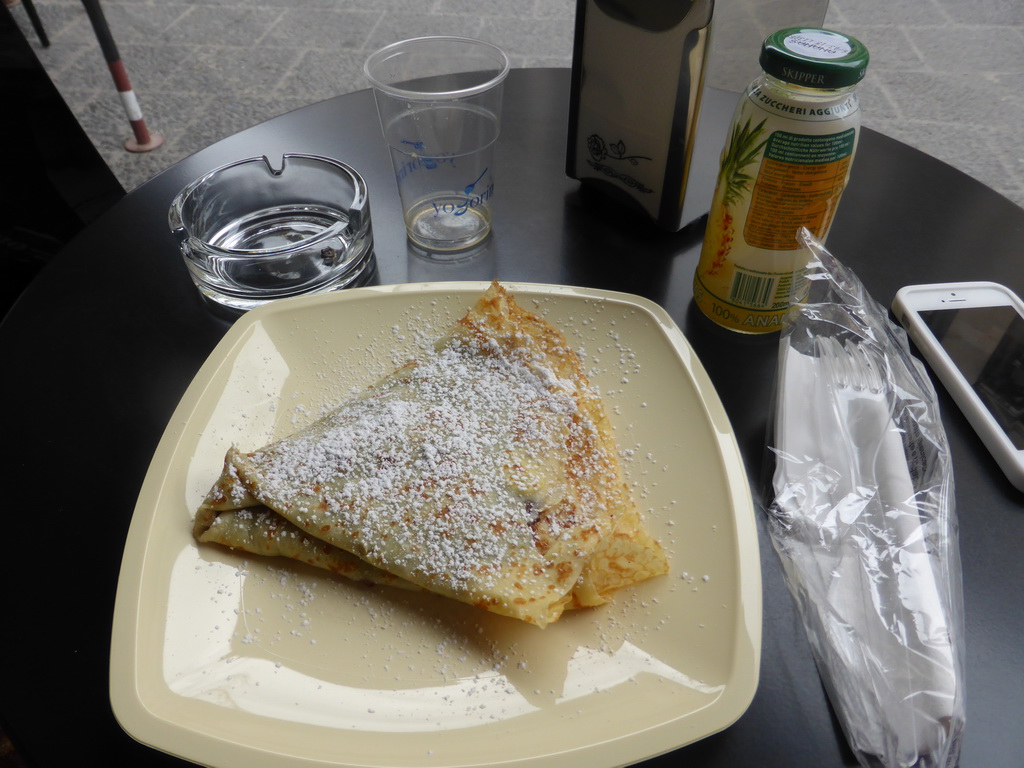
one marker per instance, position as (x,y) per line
(500,58)
(178,225)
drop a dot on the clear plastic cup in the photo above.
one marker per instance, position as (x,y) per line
(251,233)
(439,102)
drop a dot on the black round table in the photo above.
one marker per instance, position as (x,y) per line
(104,342)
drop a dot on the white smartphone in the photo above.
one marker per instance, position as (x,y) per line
(972,335)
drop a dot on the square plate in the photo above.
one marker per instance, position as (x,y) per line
(233,660)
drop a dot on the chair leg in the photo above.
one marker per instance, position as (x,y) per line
(37,23)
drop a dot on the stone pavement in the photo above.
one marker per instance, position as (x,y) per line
(945,75)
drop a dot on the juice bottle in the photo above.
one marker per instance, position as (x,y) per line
(785,165)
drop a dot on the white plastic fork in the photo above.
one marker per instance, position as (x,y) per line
(889,653)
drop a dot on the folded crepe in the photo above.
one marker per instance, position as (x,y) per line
(485,471)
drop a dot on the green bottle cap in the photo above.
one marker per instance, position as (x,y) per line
(816,58)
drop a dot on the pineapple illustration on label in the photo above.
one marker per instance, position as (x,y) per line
(731,192)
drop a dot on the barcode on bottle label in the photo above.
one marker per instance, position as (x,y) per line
(753,291)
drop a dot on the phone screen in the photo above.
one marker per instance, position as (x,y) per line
(987,345)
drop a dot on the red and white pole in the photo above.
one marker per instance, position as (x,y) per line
(142,139)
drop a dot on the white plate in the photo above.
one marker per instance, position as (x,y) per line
(231,660)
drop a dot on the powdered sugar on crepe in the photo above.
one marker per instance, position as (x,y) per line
(427,436)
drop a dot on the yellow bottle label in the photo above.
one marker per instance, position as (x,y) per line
(798,185)
(780,172)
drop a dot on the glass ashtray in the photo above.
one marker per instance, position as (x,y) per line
(252,233)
